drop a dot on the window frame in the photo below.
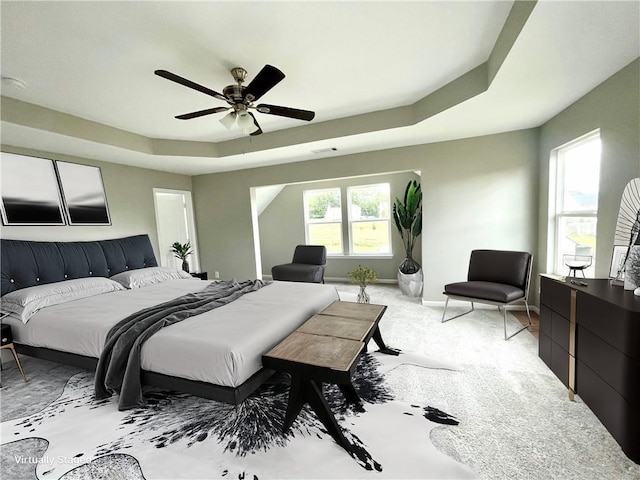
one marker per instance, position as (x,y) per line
(557,211)
(309,221)
(351,221)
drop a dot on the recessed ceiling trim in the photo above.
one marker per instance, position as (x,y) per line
(468,85)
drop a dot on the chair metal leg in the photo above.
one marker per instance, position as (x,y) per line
(504,316)
(445,311)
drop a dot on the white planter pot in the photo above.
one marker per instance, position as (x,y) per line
(411,284)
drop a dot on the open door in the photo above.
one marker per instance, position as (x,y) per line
(175,223)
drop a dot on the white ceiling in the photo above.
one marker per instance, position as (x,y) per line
(95,61)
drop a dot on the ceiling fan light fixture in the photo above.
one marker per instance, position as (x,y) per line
(228,120)
(241,98)
(245,121)
(251,129)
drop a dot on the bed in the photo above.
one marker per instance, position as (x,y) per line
(214,355)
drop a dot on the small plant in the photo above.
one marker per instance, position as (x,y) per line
(363,276)
(181,250)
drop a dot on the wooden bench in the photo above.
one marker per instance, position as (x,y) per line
(326,349)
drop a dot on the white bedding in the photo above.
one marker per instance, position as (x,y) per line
(223,346)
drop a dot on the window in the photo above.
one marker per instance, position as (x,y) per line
(323,218)
(574,210)
(369,226)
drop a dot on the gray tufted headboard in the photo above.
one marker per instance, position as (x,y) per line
(26,263)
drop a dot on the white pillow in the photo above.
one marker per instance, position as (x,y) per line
(147,276)
(26,302)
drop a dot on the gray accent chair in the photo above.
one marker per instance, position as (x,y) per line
(307,265)
(496,277)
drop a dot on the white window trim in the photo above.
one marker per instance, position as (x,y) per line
(556,178)
(351,221)
(308,221)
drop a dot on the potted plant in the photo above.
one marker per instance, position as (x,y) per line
(407,215)
(363,276)
(182,251)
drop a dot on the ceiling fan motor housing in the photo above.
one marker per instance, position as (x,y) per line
(235,93)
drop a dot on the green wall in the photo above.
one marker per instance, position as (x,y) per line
(478,193)
(129,193)
(281,227)
(483,192)
(614,108)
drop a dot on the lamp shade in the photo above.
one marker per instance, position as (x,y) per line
(228,120)
(245,121)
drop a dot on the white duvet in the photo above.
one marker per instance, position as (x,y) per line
(223,346)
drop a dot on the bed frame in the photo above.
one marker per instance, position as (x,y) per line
(26,263)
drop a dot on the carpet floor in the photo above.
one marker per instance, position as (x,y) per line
(515,418)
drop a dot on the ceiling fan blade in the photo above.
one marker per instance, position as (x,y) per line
(188,83)
(265,80)
(286,112)
(259,130)
(202,113)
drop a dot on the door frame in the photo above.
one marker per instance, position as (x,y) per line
(191,224)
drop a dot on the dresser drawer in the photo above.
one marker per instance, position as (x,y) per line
(544,348)
(560,363)
(619,417)
(560,328)
(618,370)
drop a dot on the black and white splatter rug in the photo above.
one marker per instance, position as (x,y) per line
(182,436)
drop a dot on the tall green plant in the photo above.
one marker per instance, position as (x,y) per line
(407,215)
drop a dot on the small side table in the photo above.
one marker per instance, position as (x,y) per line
(200,275)
(7,342)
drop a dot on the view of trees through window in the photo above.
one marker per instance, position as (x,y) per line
(323,218)
(368,223)
(369,219)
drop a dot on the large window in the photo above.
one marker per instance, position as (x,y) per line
(365,231)
(323,218)
(369,227)
(574,210)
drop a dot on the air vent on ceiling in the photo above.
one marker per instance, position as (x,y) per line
(325,150)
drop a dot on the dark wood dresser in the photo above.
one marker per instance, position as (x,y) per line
(590,338)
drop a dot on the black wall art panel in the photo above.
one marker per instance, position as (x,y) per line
(83,193)
(29,191)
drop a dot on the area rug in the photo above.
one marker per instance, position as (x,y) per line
(182,436)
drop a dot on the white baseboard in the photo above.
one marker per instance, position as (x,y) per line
(429,303)
(346,280)
(341,279)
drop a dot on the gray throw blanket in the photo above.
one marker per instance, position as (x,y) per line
(119,364)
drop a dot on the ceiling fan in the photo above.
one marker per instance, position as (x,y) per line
(241,98)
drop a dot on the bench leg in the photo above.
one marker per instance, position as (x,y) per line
(349,393)
(377,337)
(309,391)
(295,403)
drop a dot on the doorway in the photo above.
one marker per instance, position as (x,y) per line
(175,223)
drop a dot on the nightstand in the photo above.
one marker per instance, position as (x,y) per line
(200,275)
(7,342)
